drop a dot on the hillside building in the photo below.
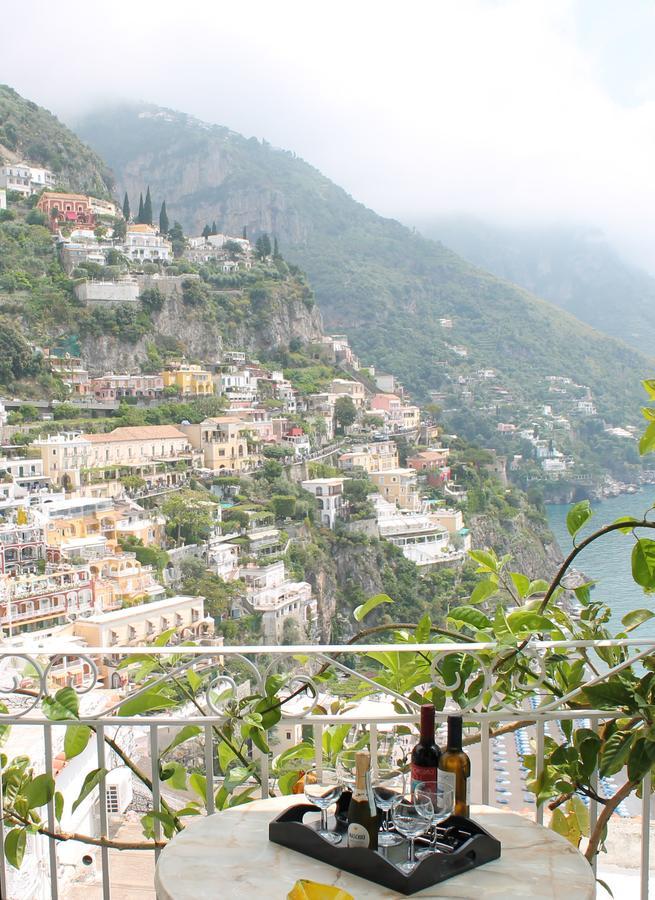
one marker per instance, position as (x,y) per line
(270,593)
(25,179)
(329,498)
(189,380)
(223,442)
(143,243)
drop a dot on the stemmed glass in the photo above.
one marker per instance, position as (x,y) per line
(388,789)
(442,800)
(412,816)
(323,787)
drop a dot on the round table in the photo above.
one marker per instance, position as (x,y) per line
(229,855)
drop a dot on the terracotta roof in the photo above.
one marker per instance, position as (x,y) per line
(137,433)
(142,229)
(55,195)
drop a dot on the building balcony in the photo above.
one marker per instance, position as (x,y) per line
(514,716)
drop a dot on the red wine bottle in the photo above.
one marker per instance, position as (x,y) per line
(425,755)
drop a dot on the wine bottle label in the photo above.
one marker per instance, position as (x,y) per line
(423,773)
(449,780)
(358,836)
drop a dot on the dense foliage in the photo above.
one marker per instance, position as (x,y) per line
(33,133)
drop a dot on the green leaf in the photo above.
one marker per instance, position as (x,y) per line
(577,516)
(162,639)
(236,777)
(194,680)
(198,784)
(288,781)
(59,805)
(647,441)
(526,620)
(615,752)
(91,781)
(539,586)
(635,618)
(589,754)
(581,814)
(15,841)
(174,774)
(259,740)
(145,702)
(486,560)
(274,683)
(184,734)
(643,563)
(628,519)
(422,632)
(608,695)
(642,757)
(483,590)
(76,739)
(521,583)
(64,705)
(371,604)
(39,791)
(225,755)
(469,616)
(649,386)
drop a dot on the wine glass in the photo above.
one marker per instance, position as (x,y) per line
(442,800)
(412,816)
(388,788)
(323,787)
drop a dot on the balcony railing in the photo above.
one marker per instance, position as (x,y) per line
(29,675)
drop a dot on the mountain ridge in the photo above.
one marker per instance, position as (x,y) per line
(31,133)
(575,268)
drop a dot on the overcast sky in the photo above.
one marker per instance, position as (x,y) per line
(510,110)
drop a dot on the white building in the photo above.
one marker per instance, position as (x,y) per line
(269,592)
(26,179)
(144,244)
(422,538)
(329,498)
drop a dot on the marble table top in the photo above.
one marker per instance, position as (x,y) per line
(228,855)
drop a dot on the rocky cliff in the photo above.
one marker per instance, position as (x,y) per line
(526,538)
(201,332)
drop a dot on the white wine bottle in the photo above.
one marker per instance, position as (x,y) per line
(455,767)
(363,823)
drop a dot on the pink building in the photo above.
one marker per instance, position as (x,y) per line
(115,387)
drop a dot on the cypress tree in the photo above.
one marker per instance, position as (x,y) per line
(276,250)
(206,231)
(139,215)
(126,207)
(164,224)
(266,244)
(245,233)
(147,209)
(214,228)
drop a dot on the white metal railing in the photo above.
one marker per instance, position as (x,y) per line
(46,668)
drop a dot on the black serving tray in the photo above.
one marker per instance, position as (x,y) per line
(471,845)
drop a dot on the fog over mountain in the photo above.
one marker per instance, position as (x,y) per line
(512,112)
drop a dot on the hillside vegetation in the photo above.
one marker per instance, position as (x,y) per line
(260,308)
(30,133)
(575,268)
(386,286)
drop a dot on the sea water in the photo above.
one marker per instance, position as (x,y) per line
(607,560)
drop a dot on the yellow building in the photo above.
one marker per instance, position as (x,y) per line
(125,581)
(189,380)
(71,521)
(223,441)
(397,486)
